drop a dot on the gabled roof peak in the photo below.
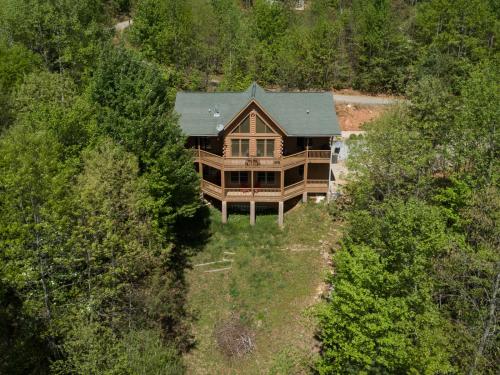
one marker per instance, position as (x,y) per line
(298,113)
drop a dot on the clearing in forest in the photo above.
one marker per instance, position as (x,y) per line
(254,309)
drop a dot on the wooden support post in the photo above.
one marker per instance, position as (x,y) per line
(200,165)
(282,181)
(304,197)
(306,165)
(281,209)
(252,212)
(251,182)
(223,181)
(224,212)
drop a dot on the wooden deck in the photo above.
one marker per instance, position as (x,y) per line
(261,163)
(263,194)
(255,164)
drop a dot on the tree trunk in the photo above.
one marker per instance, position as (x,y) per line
(490,322)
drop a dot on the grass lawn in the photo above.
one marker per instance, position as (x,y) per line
(273,281)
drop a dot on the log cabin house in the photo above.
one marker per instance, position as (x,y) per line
(259,147)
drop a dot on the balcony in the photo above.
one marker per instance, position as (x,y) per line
(260,163)
(264,194)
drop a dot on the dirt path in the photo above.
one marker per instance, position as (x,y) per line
(362,99)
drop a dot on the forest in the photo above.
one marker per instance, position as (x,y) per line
(100,209)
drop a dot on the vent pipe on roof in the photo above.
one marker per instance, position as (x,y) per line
(254,89)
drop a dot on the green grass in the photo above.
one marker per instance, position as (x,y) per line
(273,280)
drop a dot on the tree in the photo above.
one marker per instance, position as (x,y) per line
(33,181)
(15,62)
(380,317)
(454,35)
(64,33)
(116,252)
(165,31)
(135,109)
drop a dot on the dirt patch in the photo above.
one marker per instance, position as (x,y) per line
(352,117)
(362,93)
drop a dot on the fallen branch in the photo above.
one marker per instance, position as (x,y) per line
(219,269)
(218,261)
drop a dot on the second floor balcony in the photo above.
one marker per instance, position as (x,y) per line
(262,163)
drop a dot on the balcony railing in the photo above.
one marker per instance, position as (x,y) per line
(264,194)
(284,162)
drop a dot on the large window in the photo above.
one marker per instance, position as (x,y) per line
(244,126)
(266,178)
(239,147)
(265,147)
(239,178)
(261,126)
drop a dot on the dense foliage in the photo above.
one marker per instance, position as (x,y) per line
(416,283)
(370,45)
(97,194)
(99,203)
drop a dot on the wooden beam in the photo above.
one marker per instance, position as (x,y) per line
(223,181)
(282,181)
(306,167)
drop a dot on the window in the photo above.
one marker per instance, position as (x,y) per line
(266,178)
(262,126)
(239,178)
(265,147)
(244,126)
(239,147)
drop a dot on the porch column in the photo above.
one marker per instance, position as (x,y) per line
(224,212)
(223,182)
(282,181)
(306,165)
(304,197)
(281,207)
(252,212)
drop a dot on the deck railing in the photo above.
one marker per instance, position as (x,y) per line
(288,161)
(294,188)
(317,182)
(264,193)
(318,154)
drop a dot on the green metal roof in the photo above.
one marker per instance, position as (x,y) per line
(302,114)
